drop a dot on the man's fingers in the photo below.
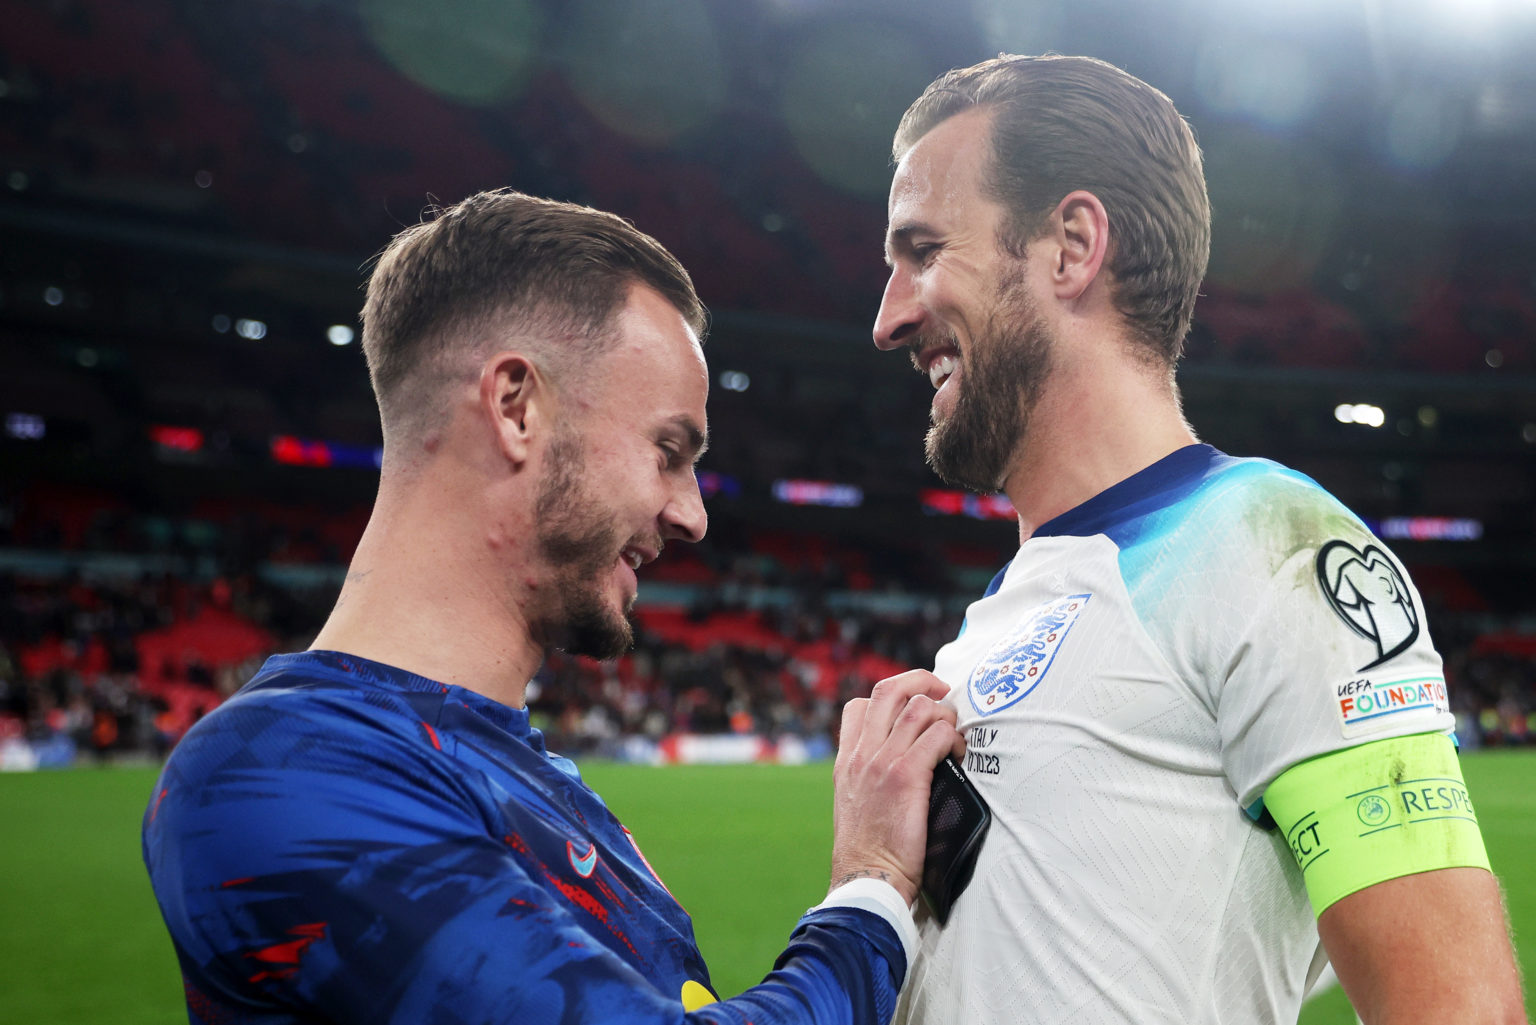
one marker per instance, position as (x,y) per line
(920,712)
(936,742)
(937,688)
(852,724)
(890,698)
(889,746)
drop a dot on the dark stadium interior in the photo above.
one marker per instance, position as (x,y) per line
(191,194)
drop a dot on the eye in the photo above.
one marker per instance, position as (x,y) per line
(922,251)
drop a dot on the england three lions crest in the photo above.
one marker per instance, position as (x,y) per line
(1017,663)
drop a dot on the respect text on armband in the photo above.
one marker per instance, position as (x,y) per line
(1401,805)
(1362,815)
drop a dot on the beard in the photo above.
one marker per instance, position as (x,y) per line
(1002,374)
(581,545)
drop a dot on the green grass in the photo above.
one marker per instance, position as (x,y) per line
(744,849)
(81,940)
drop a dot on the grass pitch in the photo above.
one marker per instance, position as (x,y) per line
(81,940)
(744,848)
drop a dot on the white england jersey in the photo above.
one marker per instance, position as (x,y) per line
(1129,686)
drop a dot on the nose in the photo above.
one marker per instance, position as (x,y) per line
(901,315)
(684,518)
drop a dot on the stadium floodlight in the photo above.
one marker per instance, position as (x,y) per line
(735,380)
(254,330)
(1362,413)
(340,334)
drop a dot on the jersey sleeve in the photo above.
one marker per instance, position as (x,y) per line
(1300,630)
(354,884)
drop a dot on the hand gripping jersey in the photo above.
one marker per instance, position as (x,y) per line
(1129,687)
(347,842)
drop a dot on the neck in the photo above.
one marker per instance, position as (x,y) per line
(1096,424)
(429,593)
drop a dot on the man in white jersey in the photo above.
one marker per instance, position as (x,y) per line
(1201,700)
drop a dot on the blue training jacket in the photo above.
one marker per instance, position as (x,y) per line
(343,841)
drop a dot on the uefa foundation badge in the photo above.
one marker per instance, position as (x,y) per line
(1017,663)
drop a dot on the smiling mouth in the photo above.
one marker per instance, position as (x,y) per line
(936,360)
(941,368)
(636,556)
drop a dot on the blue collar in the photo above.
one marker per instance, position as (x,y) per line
(1161,484)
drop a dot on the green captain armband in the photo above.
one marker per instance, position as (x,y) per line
(1370,813)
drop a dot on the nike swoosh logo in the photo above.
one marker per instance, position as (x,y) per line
(586,862)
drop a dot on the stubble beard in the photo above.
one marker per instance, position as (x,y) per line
(574,538)
(1003,373)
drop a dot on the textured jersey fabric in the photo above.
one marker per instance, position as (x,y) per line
(1144,667)
(347,842)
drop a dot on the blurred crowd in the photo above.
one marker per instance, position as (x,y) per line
(108,669)
(1490,665)
(113,668)
(121,625)
(120,628)
(128,611)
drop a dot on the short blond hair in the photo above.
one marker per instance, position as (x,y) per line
(505,264)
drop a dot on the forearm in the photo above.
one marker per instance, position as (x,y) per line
(1426,949)
(843,966)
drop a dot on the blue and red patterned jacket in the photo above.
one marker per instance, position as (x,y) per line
(342,841)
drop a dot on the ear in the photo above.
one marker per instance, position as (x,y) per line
(1080,243)
(513,394)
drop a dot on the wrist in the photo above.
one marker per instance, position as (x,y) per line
(900,883)
(870,894)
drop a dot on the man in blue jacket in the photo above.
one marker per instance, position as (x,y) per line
(370,831)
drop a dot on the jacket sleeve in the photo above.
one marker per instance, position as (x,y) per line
(351,889)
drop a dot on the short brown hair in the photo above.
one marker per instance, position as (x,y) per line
(1067,123)
(503,263)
